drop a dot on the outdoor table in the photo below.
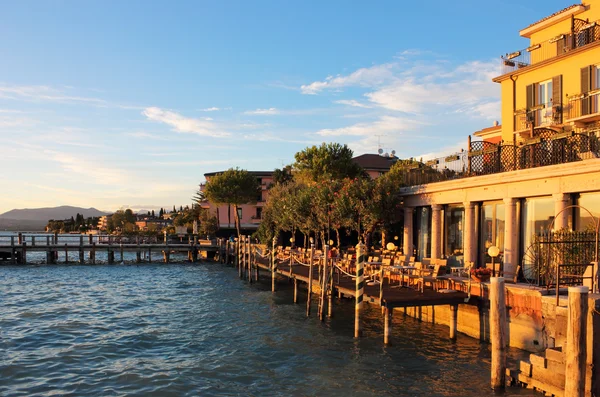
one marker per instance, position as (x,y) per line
(402,270)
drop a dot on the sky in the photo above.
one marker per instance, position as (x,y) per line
(127,104)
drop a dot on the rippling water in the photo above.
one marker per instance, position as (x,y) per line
(187,330)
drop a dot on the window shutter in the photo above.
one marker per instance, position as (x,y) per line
(557,99)
(585,87)
(560,45)
(530,103)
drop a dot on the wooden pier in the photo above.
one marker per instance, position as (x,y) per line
(15,249)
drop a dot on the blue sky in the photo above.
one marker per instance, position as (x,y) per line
(128,103)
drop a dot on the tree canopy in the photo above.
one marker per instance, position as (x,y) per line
(233,187)
(326,162)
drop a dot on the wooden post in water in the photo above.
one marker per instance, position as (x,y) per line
(33,241)
(81,258)
(227,252)
(310,278)
(55,237)
(453,321)
(66,253)
(576,349)
(138,252)
(249,259)
(149,254)
(93,254)
(387,324)
(48,251)
(360,287)
(323,283)
(121,249)
(13,259)
(20,236)
(111,256)
(498,332)
(166,255)
(90,239)
(295,290)
(24,253)
(273,265)
(330,289)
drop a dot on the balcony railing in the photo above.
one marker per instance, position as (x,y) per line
(582,105)
(485,158)
(582,34)
(542,115)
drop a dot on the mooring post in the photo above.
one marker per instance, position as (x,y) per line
(249,259)
(121,249)
(33,241)
(81,258)
(453,321)
(66,253)
(93,254)
(24,253)
(20,236)
(227,252)
(498,332)
(111,256)
(330,294)
(576,350)
(323,283)
(13,259)
(55,237)
(387,324)
(149,254)
(273,265)
(166,255)
(242,256)
(295,290)
(310,278)
(360,287)
(90,239)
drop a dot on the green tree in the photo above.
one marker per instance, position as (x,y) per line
(233,187)
(326,162)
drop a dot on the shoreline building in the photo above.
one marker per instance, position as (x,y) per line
(530,173)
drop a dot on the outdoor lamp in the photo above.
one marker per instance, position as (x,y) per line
(493,252)
(396,238)
(312,240)
(390,246)
(330,242)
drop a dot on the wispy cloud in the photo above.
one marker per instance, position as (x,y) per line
(213,109)
(263,112)
(184,124)
(364,77)
(353,103)
(385,124)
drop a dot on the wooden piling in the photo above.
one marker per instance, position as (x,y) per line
(295,290)
(310,278)
(66,254)
(13,258)
(249,258)
(121,249)
(576,349)
(498,332)
(149,255)
(166,255)
(273,265)
(330,291)
(387,324)
(93,253)
(453,321)
(24,253)
(238,256)
(20,237)
(111,256)
(81,252)
(227,252)
(360,287)
(323,283)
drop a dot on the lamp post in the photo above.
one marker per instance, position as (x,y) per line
(493,252)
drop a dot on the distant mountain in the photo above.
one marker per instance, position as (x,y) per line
(45,214)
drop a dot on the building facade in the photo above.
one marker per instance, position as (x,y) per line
(533,172)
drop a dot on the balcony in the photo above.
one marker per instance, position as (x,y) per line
(583,108)
(583,34)
(548,147)
(543,115)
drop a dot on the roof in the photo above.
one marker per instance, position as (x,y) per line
(574,8)
(255,173)
(375,161)
(489,131)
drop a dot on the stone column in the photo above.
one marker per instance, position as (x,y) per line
(469,235)
(511,239)
(561,201)
(436,231)
(408,231)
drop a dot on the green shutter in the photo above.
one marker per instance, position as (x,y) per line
(557,99)
(585,87)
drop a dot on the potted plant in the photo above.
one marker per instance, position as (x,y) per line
(481,274)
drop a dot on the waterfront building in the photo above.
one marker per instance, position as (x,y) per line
(250,214)
(103,222)
(518,179)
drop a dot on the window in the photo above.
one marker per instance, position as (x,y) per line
(492,230)
(239,212)
(591,203)
(259,212)
(423,227)
(453,235)
(544,98)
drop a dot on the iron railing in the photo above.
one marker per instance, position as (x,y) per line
(581,34)
(485,158)
(585,104)
(545,114)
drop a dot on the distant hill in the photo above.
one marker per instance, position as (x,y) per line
(45,214)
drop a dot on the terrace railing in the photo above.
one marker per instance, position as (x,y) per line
(581,34)
(581,105)
(544,114)
(485,158)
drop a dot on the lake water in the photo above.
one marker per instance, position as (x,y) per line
(188,330)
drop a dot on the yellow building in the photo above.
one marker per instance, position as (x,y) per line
(552,86)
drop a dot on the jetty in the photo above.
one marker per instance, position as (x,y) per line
(15,249)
